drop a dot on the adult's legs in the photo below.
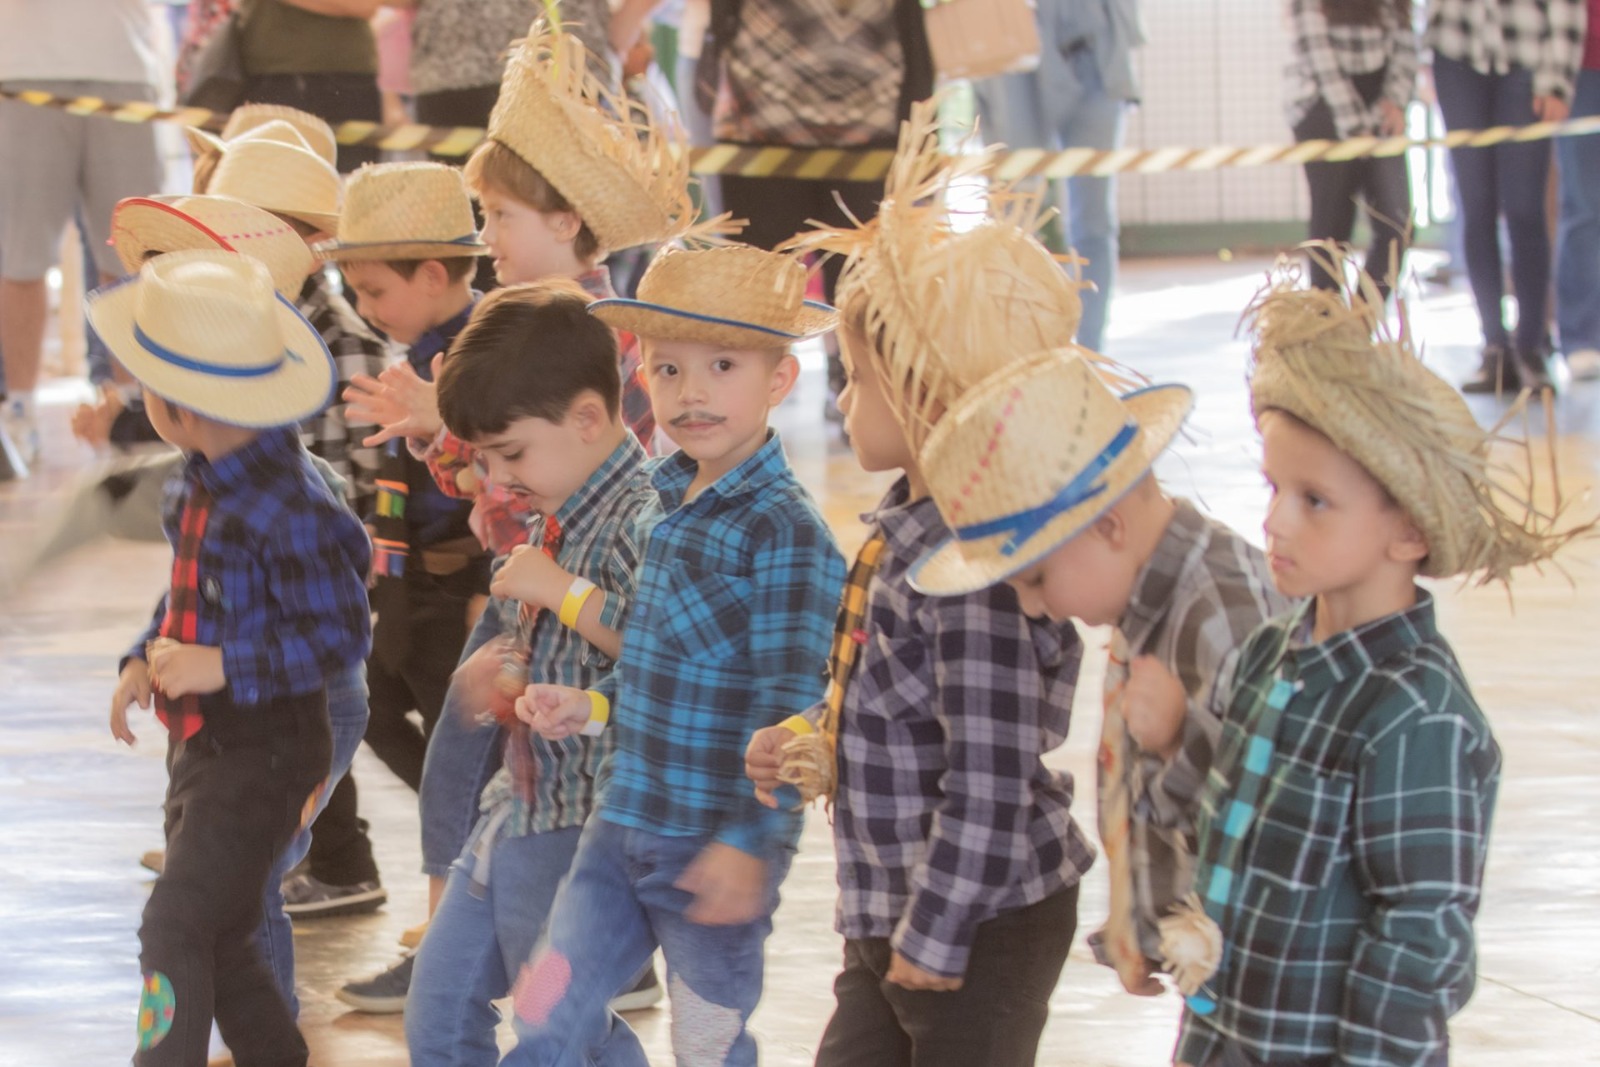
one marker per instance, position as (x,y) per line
(1386,190)
(1333,188)
(1522,176)
(1578,233)
(1093,120)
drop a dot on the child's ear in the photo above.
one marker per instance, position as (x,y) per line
(1408,545)
(784,375)
(435,279)
(564,224)
(589,416)
(1112,528)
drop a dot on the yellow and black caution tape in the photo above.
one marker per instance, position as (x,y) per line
(840,164)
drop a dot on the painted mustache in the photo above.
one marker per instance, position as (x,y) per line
(697,416)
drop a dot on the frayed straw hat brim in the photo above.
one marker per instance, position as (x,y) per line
(959,567)
(660,322)
(141,225)
(341,251)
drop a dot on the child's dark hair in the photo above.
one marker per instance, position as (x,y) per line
(527,352)
(495,166)
(455,267)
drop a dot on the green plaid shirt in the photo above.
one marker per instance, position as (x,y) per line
(1348,927)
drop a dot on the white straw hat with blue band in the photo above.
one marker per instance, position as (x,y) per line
(206,330)
(1031,457)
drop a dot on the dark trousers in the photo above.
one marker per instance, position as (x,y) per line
(994,1019)
(462,107)
(1507,181)
(236,796)
(331,96)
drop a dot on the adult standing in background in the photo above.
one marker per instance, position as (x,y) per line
(1078,97)
(1578,231)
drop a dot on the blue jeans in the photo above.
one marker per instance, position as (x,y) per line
(1578,232)
(1064,104)
(479,940)
(347,717)
(459,762)
(618,904)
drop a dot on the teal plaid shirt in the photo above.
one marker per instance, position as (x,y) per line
(1348,927)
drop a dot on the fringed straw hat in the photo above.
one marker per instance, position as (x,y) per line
(626,176)
(735,296)
(206,330)
(1345,373)
(144,224)
(405,211)
(207,147)
(272,168)
(1030,458)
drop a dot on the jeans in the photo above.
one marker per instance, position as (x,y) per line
(1507,180)
(1076,112)
(459,762)
(479,940)
(1578,231)
(618,904)
(347,719)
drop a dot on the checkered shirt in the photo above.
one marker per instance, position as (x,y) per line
(730,633)
(1492,36)
(1347,914)
(1326,55)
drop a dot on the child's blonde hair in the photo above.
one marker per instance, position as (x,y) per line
(494,166)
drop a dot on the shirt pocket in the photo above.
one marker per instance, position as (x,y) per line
(1303,830)
(707,615)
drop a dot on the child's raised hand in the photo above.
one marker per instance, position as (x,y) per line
(133,687)
(397,400)
(762,758)
(91,423)
(1155,705)
(554,712)
(907,975)
(533,578)
(178,670)
(729,886)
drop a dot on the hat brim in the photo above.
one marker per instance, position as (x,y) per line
(358,250)
(300,387)
(203,142)
(959,567)
(327,223)
(661,322)
(144,224)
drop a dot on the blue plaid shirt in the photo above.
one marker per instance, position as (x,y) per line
(282,570)
(730,633)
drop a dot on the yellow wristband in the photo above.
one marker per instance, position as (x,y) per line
(798,725)
(572,604)
(599,714)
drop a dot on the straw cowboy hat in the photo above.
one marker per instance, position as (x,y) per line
(1030,458)
(141,225)
(623,173)
(316,133)
(735,296)
(1341,371)
(206,330)
(272,168)
(405,211)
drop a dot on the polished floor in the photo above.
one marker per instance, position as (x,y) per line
(78,809)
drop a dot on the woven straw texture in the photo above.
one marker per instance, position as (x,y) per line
(141,225)
(405,211)
(272,169)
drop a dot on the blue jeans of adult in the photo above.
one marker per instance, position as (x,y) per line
(1578,231)
(481,937)
(619,903)
(1064,104)
(1503,181)
(347,718)
(460,760)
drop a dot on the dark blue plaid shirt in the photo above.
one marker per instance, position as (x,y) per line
(282,570)
(730,633)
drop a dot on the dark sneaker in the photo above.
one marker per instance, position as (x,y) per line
(305,897)
(1496,374)
(383,994)
(646,992)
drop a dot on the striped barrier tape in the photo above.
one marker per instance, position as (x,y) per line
(839,164)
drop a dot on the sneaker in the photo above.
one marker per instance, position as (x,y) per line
(382,994)
(411,937)
(646,992)
(1584,364)
(18,422)
(305,897)
(154,860)
(1496,374)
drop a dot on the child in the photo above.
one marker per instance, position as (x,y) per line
(1345,819)
(268,602)
(728,633)
(532,384)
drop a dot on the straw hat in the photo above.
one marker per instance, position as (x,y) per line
(735,296)
(316,133)
(1030,458)
(1343,372)
(603,152)
(144,224)
(272,168)
(205,330)
(405,211)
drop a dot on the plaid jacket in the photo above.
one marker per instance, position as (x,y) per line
(1348,927)
(729,634)
(1326,56)
(1492,36)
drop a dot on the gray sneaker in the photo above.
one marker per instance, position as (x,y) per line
(305,897)
(382,994)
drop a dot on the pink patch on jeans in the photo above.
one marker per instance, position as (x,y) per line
(540,987)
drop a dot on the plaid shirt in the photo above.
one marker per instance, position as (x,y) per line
(1327,55)
(729,634)
(946,815)
(1349,927)
(1492,36)
(282,571)
(605,525)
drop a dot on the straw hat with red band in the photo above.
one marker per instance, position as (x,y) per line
(405,211)
(273,168)
(144,224)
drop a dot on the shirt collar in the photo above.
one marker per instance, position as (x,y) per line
(586,503)
(908,526)
(245,468)
(1186,535)
(597,282)
(674,474)
(1354,652)
(438,339)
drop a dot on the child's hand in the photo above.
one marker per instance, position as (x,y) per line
(1146,986)
(133,687)
(533,578)
(762,758)
(907,975)
(1155,704)
(1391,118)
(91,423)
(397,400)
(729,886)
(554,712)
(178,670)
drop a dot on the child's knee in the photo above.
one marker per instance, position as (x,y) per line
(702,1031)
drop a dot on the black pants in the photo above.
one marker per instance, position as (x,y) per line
(994,1019)
(463,107)
(332,97)
(237,793)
